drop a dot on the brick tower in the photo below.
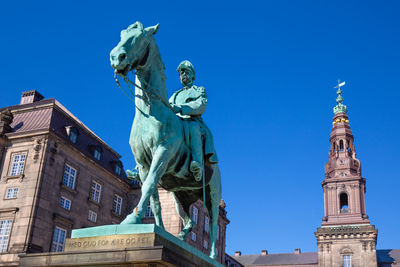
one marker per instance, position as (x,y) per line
(345,237)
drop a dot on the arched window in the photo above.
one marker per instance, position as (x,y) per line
(344,203)
(341,145)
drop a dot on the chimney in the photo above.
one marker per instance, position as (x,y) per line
(297,251)
(238,253)
(30,97)
(264,252)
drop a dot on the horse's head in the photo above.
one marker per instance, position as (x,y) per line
(133,49)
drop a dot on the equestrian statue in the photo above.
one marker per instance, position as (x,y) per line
(172,146)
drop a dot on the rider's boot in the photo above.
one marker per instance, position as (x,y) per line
(196,144)
(196,169)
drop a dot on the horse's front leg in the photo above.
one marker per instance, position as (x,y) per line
(156,208)
(157,169)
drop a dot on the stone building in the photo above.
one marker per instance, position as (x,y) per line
(56,175)
(200,235)
(346,238)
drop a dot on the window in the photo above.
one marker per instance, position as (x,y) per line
(58,239)
(346,261)
(205,244)
(97,152)
(69,176)
(92,216)
(193,236)
(216,251)
(95,192)
(117,204)
(344,203)
(341,145)
(206,224)
(195,214)
(17,164)
(11,193)
(65,203)
(149,212)
(118,168)
(72,133)
(218,232)
(5,229)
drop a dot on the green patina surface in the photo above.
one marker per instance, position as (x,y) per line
(172,145)
(339,108)
(124,229)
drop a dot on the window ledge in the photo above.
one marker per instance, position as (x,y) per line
(20,177)
(94,202)
(69,189)
(116,214)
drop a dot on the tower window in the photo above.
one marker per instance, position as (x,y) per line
(344,203)
(341,145)
(346,261)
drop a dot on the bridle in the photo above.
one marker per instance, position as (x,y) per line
(148,91)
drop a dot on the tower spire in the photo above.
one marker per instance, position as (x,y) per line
(339,108)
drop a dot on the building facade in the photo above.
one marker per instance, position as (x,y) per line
(56,175)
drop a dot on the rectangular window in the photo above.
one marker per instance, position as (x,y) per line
(117,169)
(5,229)
(193,236)
(97,153)
(17,164)
(95,192)
(117,204)
(206,224)
(69,176)
(149,212)
(218,232)
(205,244)
(65,203)
(92,216)
(58,239)
(346,261)
(11,193)
(195,214)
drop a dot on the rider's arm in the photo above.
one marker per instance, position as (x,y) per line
(197,106)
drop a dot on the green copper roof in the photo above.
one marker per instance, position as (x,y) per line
(339,108)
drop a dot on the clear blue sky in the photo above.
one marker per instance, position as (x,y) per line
(269,68)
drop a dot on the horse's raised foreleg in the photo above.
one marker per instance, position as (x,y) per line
(156,208)
(188,223)
(157,169)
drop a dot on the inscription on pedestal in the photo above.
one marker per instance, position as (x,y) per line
(110,242)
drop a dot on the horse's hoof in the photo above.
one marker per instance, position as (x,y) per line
(213,255)
(132,219)
(182,236)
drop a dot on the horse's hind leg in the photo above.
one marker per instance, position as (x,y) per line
(182,211)
(215,196)
(156,208)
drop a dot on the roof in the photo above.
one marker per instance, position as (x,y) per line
(278,259)
(388,256)
(50,115)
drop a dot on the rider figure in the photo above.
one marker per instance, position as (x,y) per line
(189,103)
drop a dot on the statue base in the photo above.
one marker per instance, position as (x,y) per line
(121,245)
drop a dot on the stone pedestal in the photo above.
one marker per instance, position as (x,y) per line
(121,245)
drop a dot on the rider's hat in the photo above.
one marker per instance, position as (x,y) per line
(186,65)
